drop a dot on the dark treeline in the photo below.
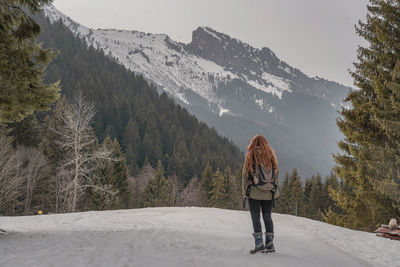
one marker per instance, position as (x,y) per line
(215,188)
(310,199)
(39,166)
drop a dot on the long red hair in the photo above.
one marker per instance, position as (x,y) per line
(260,152)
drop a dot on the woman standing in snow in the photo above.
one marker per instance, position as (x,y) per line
(260,164)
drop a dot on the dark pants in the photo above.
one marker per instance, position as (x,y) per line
(266,208)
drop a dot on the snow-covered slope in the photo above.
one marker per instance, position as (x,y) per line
(236,88)
(179,67)
(183,237)
(165,62)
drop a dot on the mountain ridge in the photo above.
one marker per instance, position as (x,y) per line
(283,70)
(236,88)
(265,57)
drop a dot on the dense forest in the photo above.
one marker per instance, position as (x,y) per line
(149,126)
(310,199)
(130,137)
(141,149)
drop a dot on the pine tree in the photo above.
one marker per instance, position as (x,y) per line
(158,192)
(329,205)
(291,195)
(220,191)
(25,132)
(131,144)
(104,173)
(23,62)
(307,191)
(231,190)
(296,194)
(331,183)
(206,180)
(151,142)
(315,201)
(370,163)
(283,202)
(121,174)
(113,174)
(237,193)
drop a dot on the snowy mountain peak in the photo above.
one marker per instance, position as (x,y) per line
(256,67)
(203,31)
(228,84)
(212,57)
(260,68)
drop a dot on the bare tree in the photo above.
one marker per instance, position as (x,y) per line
(138,184)
(192,195)
(34,167)
(75,173)
(11,179)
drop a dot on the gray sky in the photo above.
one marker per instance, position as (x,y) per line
(316,36)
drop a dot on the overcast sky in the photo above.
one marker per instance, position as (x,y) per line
(316,36)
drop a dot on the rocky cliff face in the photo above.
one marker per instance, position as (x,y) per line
(234,55)
(236,88)
(256,65)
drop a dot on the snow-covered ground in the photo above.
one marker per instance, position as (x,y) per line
(183,237)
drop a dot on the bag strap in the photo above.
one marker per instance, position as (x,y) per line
(275,186)
(261,172)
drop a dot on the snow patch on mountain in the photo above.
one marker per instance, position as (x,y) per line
(271,84)
(264,106)
(222,111)
(286,69)
(266,88)
(260,102)
(210,31)
(54,15)
(278,82)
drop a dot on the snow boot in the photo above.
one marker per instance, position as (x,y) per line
(258,239)
(269,244)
